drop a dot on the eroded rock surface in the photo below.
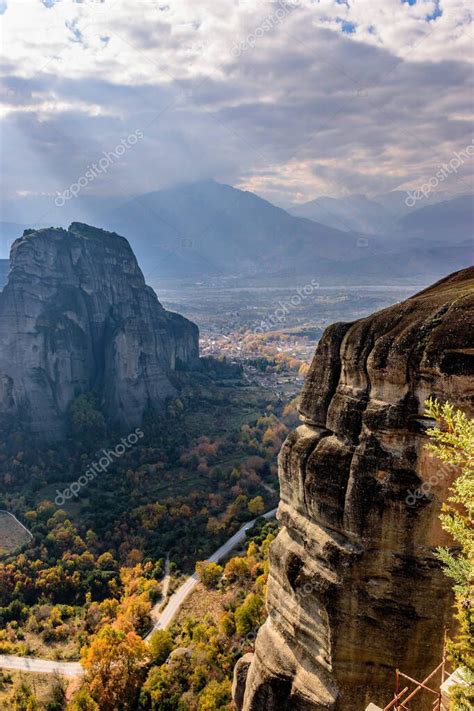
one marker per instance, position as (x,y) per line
(354,588)
(76,315)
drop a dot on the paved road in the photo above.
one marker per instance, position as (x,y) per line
(177,599)
(47,666)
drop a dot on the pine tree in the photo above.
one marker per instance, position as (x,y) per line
(452,442)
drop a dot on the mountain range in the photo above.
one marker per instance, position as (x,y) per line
(359,213)
(208,229)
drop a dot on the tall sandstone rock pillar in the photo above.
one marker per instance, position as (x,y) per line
(75,316)
(354,588)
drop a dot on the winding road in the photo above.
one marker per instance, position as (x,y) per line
(48,666)
(177,599)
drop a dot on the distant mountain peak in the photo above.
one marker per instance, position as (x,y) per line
(206,228)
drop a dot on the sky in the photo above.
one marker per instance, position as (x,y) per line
(292,99)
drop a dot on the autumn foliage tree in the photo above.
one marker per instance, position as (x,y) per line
(256,506)
(114,667)
(209,573)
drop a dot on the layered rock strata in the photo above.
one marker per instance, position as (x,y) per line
(75,316)
(354,588)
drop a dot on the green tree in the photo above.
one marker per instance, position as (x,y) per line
(164,686)
(56,700)
(209,573)
(236,568)
(82,701)
(161,645)
(256,506)
(227,624)
(87,422)
(23,698)
(248,616)
(452,442)
(215,696)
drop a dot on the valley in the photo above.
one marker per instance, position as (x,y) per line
(127,534)
(244,320)
(236,356)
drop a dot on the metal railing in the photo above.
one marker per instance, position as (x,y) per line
(404,695)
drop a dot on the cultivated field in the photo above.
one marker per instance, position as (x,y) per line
(12,534)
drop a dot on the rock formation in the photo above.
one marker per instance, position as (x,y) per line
(4,269)
(75,316)
(354,589)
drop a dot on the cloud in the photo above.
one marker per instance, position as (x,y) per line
(321,98)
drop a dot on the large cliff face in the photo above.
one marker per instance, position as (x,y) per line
(354,589)
(76,315)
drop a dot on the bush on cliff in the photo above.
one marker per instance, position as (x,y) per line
(452,441)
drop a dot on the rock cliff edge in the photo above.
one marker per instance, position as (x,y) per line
(354,588)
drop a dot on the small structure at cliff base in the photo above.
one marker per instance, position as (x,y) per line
(443,693)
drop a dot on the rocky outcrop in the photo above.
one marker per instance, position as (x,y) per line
(354,588)
(76,315)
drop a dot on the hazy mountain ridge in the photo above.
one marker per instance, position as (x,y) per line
(231,230)
(453,219)
(384,213)
(356,212)
(206,229)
